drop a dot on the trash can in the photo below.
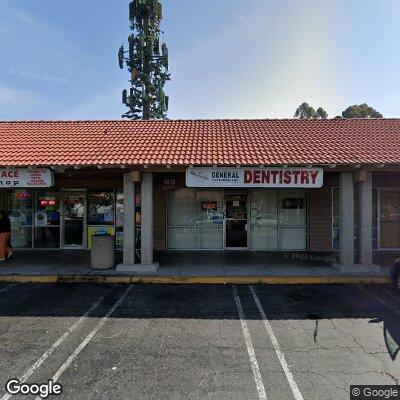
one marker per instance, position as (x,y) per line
(103,252)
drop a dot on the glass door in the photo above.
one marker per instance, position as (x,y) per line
(236,221)
(73,222)
(389,219)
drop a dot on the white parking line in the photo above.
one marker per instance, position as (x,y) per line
(88,338)
(295,389)
(250,349)
(56,344)
(8,287)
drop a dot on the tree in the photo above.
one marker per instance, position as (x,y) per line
(147,62)
(361,111)
(305,111)
(321,113)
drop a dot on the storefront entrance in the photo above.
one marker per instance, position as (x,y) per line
(236,221)
(73,219)
(232,219)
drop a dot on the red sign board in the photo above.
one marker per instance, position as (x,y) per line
(47,202)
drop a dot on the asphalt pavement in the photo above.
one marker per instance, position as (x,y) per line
(199,341)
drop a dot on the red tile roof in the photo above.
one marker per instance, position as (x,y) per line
(248,142)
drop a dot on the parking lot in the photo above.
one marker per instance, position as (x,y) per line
(198,341)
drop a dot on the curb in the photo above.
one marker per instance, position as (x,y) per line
(195,280)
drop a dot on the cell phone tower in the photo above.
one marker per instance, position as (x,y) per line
(147,62)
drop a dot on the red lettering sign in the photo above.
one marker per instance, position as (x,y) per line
(248,176)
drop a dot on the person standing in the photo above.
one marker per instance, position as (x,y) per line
(5,236)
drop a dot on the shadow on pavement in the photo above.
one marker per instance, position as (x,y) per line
(209,302)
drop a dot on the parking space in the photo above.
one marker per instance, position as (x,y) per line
(198,341)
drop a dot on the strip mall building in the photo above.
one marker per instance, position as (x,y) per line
(317,186)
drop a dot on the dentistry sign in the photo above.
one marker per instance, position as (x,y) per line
(255,177)
(26,178)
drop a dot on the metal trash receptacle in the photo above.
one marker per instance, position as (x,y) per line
(103,252)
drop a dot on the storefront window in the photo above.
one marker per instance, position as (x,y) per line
(264,219)
(20,209)
(292,219)
(278,219)
(36,216)
(119,209)
(20,206)
(181,219)
(195,219)
(209,207)
(389,213)
(101,207)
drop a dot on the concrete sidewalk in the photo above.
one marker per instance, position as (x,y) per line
(74,266)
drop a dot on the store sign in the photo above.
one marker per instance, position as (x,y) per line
(169,184)
(26,178)
(255,177)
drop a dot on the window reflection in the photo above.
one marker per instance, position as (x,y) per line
(101,206)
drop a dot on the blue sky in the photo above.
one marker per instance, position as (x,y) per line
(229,58)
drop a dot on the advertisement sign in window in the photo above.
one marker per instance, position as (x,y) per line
(99,230)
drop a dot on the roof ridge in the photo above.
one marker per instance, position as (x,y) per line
(199,120)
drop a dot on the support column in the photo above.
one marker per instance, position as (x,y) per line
(129,220)
(346,214)
(147,234)
(365,221)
